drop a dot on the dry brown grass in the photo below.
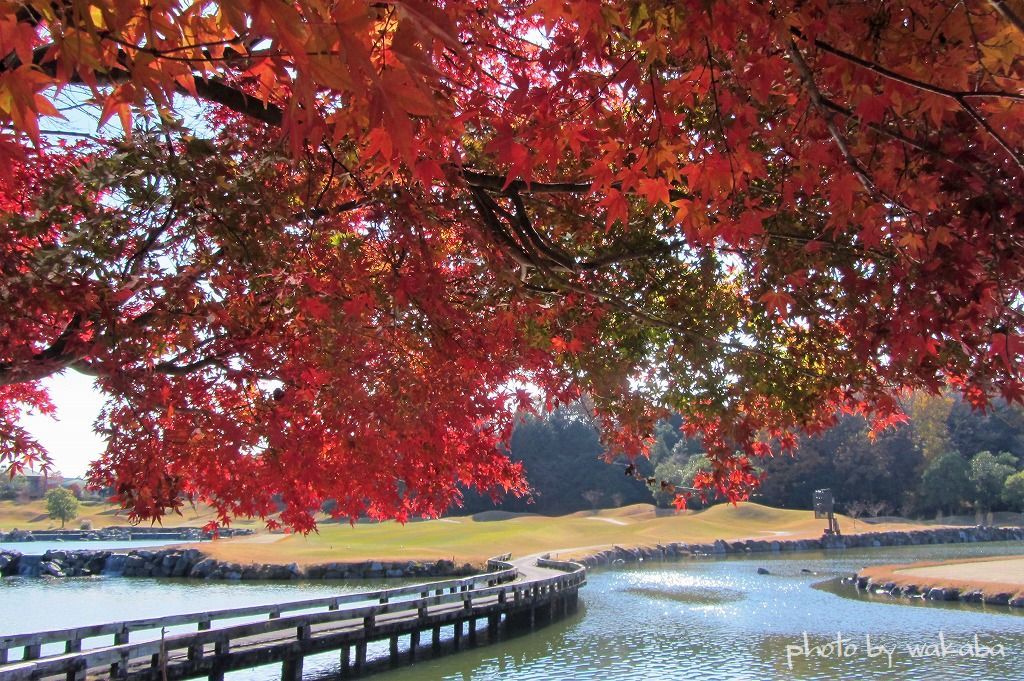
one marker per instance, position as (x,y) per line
(33,516)
(991,576)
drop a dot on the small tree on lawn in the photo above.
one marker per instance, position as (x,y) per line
(61,505)
(593,497)
(855,509)
(877,508)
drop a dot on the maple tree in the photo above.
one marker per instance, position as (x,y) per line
(341,233)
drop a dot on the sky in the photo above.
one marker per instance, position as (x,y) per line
(69,439)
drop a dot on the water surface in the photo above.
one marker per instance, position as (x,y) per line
(38,548)
(701,619)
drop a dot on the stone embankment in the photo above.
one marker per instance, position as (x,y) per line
(937,593)
(192,563)
(993,580)
(720,548)
(119,534)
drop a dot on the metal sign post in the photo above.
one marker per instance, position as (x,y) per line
(824,505)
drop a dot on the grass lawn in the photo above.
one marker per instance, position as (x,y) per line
(470,538)
(475,538)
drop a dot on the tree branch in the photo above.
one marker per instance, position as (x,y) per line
(901,78)
(816,98)
(45,362)
(959,96)
(1007,13)
(172,369)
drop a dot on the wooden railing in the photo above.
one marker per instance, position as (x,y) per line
(403,609)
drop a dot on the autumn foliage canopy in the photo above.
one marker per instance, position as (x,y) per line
(326,249)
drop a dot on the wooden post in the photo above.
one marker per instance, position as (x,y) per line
(414,643)
(73,646)
(120,638)
(291,668)
(77,672)
(492,627)
(120,669)
(435,642)
(472,631)
(220,648)
(3,655)
(32,652)
(457,631)
(360,656)
(346,652)
(393,650)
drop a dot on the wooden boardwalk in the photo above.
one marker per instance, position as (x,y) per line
(507,598)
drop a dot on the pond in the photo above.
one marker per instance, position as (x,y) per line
(707,619)
(38,548)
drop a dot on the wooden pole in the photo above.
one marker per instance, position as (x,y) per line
(394,650)
(360,656)
(414,643)
(291,668)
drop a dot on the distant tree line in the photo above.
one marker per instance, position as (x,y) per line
(948,459)
(562,454)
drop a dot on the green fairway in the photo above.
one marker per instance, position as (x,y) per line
(469,538)
(474,538)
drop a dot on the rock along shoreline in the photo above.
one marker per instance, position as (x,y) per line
(192,563)
(884,580)
(937,593)
(119,533)
(955,535)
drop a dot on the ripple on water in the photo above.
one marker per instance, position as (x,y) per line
(691,595)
